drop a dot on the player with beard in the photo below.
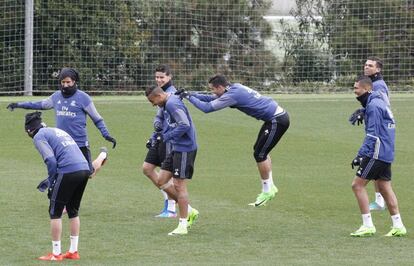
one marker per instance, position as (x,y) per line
(71,106)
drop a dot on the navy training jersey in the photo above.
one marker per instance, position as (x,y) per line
(70,114)
(181,132)
(380,86)
(379,141)
(240,97)
(59,151)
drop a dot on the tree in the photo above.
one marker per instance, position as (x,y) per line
(99,38)
(202,37)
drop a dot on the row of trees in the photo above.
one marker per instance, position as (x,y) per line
(333,39)
(116,44)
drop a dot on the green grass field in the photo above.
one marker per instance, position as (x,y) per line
(308,223)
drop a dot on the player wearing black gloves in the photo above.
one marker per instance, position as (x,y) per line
(157,149)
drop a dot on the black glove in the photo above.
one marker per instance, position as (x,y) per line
(182,93)
(148,144)
(11,106)
(154,140)
(357,117)
(111,139)
(356,162)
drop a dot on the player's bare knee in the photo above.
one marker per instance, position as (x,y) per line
(148,169)
(356,186)
(165,185)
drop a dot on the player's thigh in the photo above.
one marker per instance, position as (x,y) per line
(156,155)
(183,164)
(372,169)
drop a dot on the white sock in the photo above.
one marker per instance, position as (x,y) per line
(73,244)
(171,205)
(56,248)
(266,185)
(379,199)
(164,194)
(367,220)
(396,221)
(189,209)
(183,222)
(271,178)
(102,155)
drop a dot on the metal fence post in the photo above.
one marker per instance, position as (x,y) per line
(28,48)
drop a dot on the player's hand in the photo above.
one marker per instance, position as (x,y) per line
(111,139)
(43,185)
(11,106)
(182,93)
(356,162)
(357,117)
(154,140)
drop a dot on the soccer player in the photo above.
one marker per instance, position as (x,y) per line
(374,158)
(178,166)
(372,69)
(68,173)
(158,149)
(71,106)
(250,102)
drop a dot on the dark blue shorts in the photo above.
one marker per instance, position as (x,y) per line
(269,135)
(180,164)
(156,154)
(372,169)
(67,191)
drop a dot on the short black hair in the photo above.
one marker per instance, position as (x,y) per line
(377,60)
(364,81)
(218,80)
(151,89)
(164,69)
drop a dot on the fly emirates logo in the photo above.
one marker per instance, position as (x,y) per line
(65,112)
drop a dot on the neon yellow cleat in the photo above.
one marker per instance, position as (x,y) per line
(264,197)
(180,230)
(364,231)
(274,190)
(397,232)
(192,217)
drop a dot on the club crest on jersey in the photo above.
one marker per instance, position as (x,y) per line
(176,172)
(73,103)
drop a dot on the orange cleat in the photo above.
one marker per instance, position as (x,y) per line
(50,256)
(71,256)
